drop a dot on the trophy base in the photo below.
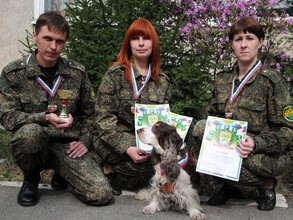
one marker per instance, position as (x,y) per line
(65,120)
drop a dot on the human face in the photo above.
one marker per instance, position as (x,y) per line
(50,45)
(246,47)
(141,47)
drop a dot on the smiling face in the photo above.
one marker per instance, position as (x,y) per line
(50,44)
(246,47)
(141,47)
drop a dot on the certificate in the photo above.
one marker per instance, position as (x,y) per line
(146,115)
(218,155)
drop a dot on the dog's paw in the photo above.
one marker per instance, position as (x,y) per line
(142,194)
(150,209)
(196,215)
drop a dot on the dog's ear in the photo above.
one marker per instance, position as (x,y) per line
(172,146)
(164,131)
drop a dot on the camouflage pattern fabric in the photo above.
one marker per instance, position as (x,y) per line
(37,145)
(114,122)
(261,104)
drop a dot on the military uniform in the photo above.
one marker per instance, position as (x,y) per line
(261,103)
(114,122)
(37,145)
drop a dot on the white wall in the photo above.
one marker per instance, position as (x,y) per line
(16,17)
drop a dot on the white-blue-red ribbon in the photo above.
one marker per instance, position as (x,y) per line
(252,72)
(52,92)
(137,93)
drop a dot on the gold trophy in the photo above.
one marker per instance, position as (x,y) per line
(64,95)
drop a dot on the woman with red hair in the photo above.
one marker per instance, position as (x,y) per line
(135,77)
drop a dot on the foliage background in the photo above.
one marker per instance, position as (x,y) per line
(193,38)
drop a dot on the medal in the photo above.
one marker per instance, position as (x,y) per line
(228,114)
(132,109)
(52,108)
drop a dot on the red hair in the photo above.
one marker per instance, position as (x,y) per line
(140,27)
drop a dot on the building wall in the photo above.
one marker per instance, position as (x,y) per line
(16,18)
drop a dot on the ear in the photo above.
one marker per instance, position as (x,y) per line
(172,143)
(34,36)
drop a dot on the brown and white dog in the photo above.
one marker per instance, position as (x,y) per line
(170,186)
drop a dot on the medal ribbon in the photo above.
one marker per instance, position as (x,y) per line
(137,93)
(252,72)
(51,92)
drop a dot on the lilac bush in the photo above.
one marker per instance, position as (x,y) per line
(206,24)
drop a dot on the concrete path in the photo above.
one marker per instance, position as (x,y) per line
(63,205)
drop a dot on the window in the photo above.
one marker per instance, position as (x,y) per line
(41,6)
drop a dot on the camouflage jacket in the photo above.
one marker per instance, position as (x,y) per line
(114,122)
(23,100)
(261,103)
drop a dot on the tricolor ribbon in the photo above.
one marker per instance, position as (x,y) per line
(137,93)
(252,72)
(52,92)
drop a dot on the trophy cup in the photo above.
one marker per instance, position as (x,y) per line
(64,95)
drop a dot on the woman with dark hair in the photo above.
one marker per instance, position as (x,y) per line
(135,77)
(259,95)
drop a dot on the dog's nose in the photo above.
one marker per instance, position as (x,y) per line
(140,130)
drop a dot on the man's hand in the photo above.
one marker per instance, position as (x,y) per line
(77,149)
(58,122)
(245,147)
(137,155)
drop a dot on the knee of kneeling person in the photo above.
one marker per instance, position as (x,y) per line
(28,138)
(101,196)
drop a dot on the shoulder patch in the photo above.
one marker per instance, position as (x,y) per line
(288,113)
(15,65)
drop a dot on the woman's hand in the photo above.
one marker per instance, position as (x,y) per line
(77,149)
(245,147)
(137,155)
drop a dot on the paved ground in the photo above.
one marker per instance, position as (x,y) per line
(64,206)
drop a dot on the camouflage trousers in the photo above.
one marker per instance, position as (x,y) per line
(255,168)
(131,176)
(36,148)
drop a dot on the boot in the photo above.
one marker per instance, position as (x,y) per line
(112,178)
(267,198)
(58,182)
(224,194)
(28,194)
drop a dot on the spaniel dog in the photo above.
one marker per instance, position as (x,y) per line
(170,186)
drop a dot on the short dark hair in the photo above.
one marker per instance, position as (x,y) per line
(246,24)
(55,22)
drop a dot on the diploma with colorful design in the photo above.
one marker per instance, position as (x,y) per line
(147,115)
(218,154)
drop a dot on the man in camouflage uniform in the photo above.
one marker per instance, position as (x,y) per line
(265,103)
(30,109)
